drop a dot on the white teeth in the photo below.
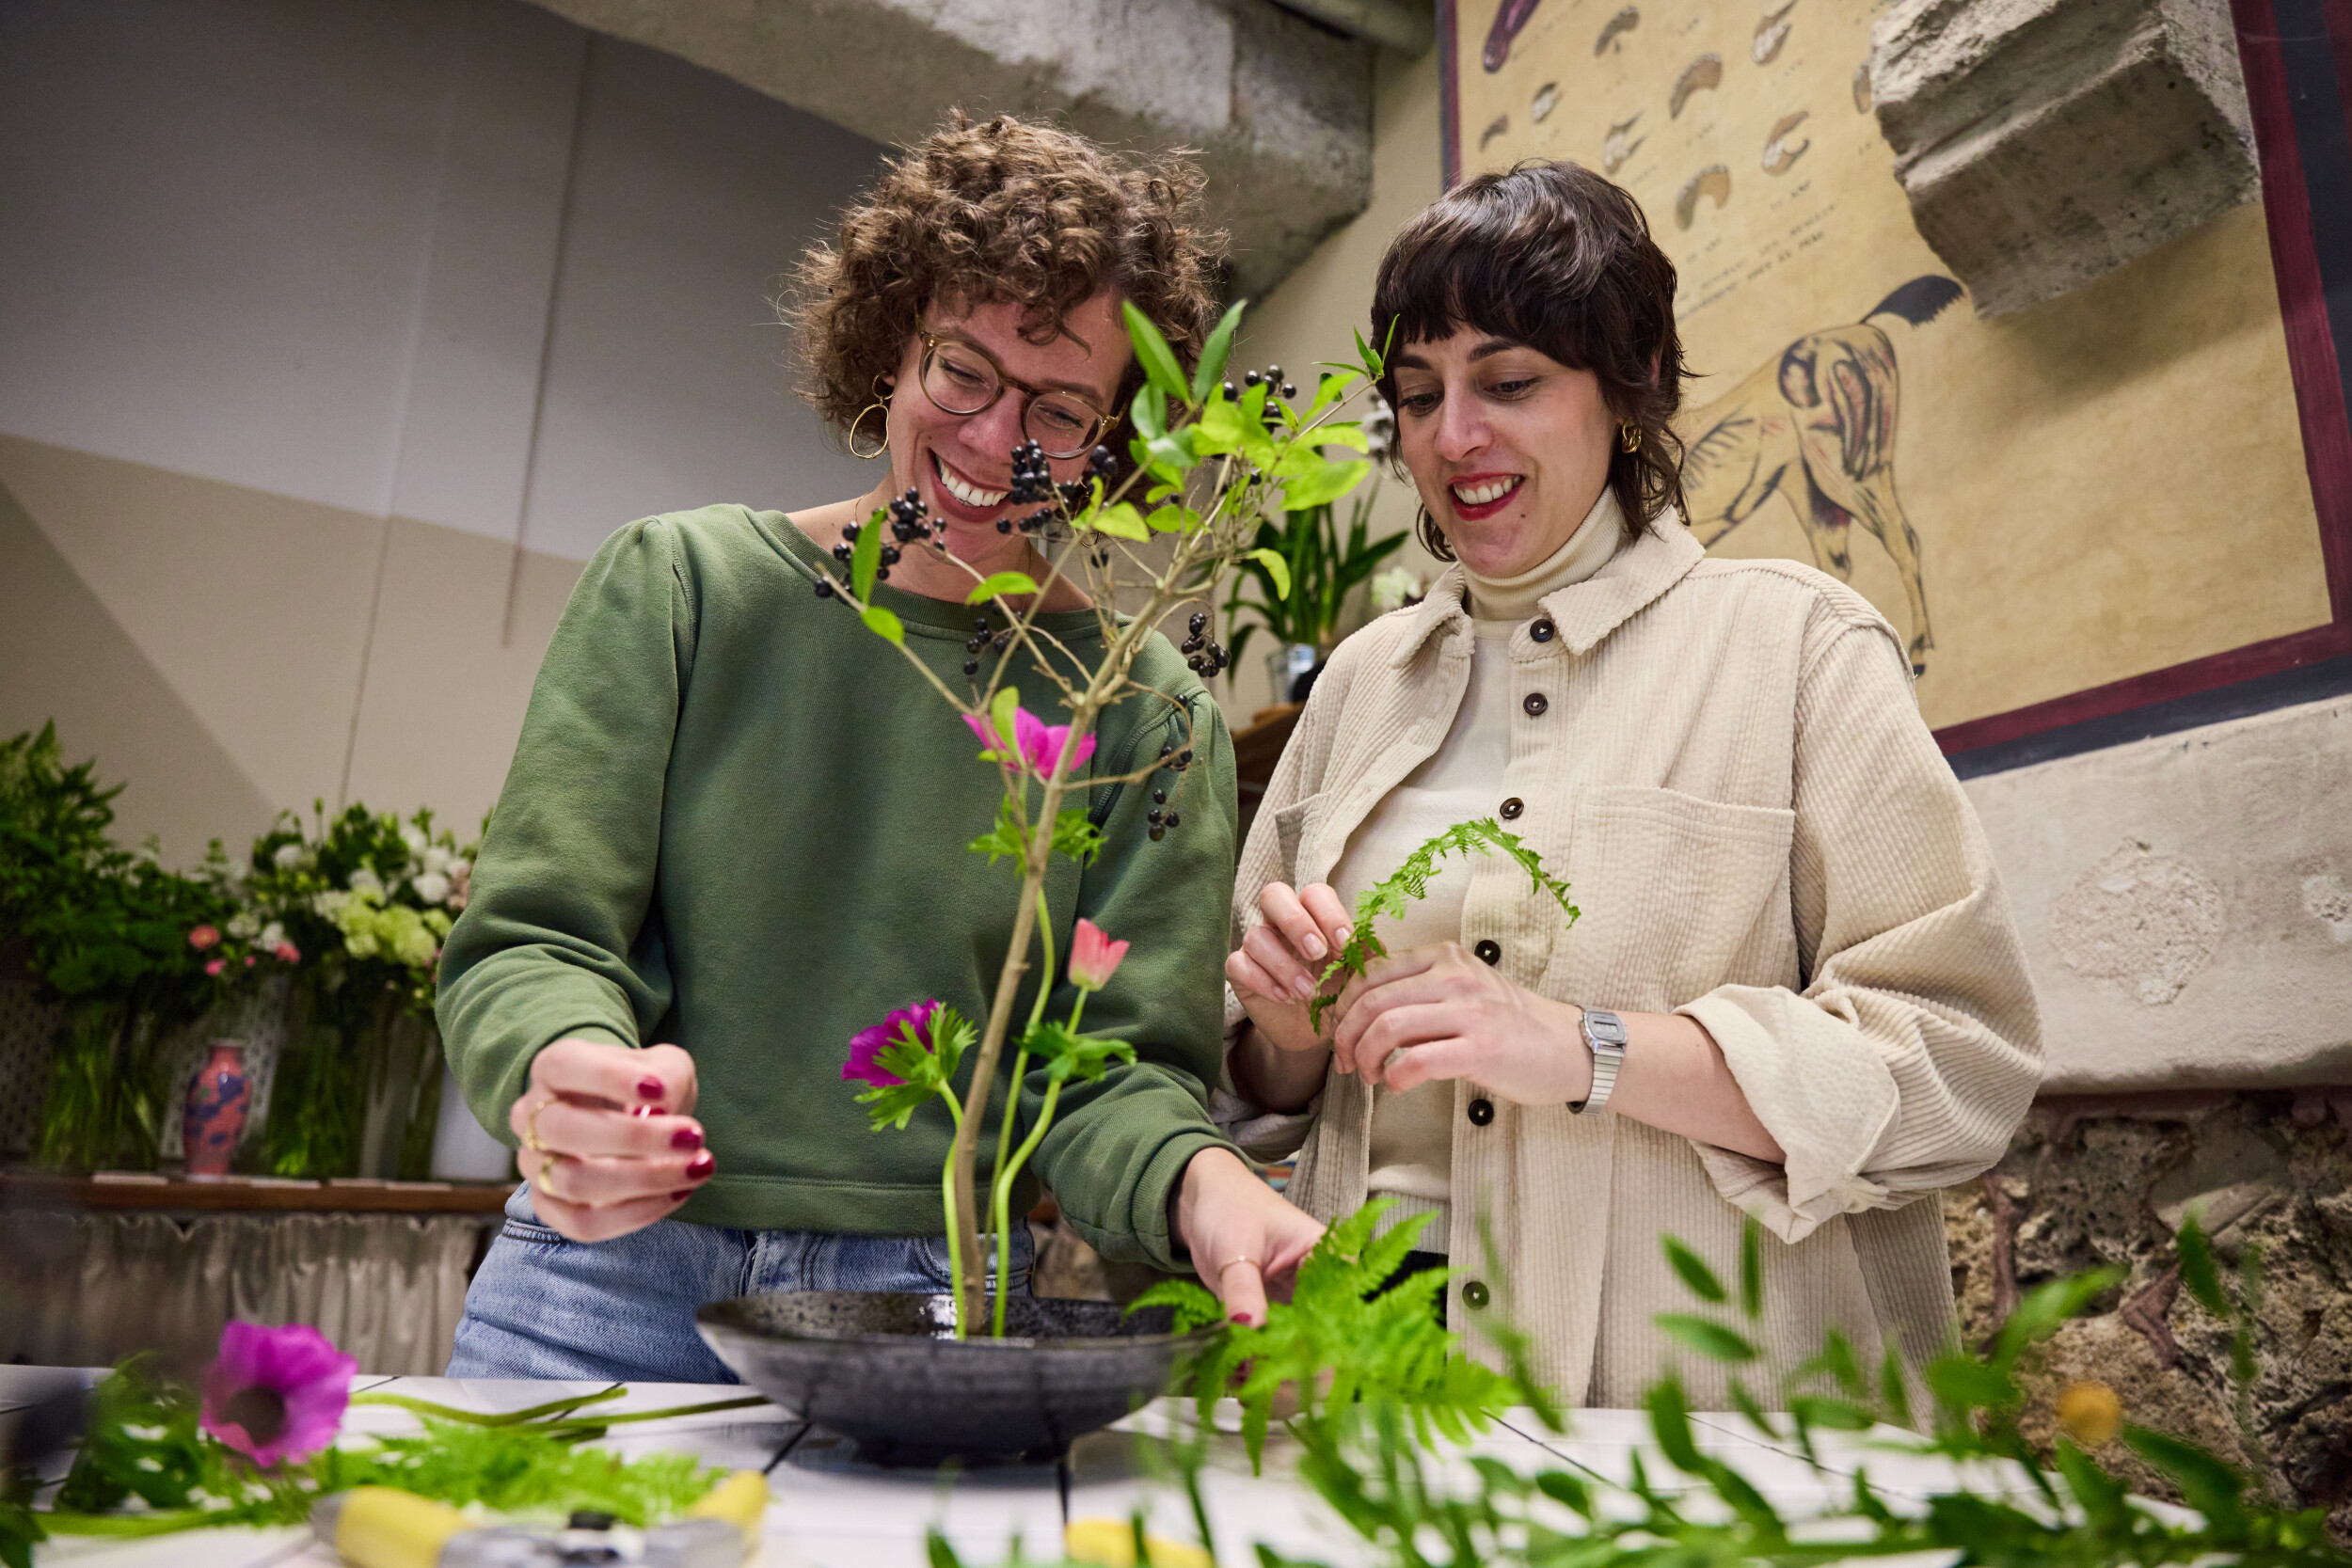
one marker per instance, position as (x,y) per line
(1479,495)
(964,492)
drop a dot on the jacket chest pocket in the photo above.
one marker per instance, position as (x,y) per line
(1678,895)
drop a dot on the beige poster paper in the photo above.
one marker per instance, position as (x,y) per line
(2092,489)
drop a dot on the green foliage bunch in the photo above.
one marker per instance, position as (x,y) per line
(1210,468)
(1322,567)
(1410,883)
(104,931)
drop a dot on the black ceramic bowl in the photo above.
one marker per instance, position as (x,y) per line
(887,1370)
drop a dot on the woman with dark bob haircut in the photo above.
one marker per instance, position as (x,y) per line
(735,830)
(1794,992)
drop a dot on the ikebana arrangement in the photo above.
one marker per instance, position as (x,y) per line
(336,923)
(1211,464)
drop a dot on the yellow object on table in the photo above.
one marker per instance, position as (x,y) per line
(382,1526)
(1111,1544)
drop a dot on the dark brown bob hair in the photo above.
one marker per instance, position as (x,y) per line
(1557,258)
(1003,210)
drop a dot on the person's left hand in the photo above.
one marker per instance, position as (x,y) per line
(1438,1013)
(1244,1238)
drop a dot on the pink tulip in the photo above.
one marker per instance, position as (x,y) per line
(216,966)
(203,937)
(1094,957)
(275,1393)
(867,1043)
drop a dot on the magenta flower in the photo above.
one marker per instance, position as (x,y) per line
(203,937)
(275,1394)
(867,1043)
(215,965)
(287,953)
(1093,956)
(1039,746)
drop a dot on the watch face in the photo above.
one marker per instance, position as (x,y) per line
(1606,1028)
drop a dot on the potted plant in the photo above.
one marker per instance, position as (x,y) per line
(1321,567)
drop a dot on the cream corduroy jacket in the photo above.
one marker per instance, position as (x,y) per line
(1726,760)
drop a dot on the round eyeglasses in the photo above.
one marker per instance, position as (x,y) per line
(962,380)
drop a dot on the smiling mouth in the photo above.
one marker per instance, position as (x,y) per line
(970,495)
(1486,491)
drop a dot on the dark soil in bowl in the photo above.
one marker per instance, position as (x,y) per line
(887,1370)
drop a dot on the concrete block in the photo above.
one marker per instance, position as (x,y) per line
(1277,108)
(2045,142)
(2184,902)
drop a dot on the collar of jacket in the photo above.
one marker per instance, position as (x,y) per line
(1660,556)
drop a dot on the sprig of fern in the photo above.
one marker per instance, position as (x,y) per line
(1410,883)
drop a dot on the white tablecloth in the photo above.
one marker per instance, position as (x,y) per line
(831,1511)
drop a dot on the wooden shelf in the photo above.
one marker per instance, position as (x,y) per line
(139,1191)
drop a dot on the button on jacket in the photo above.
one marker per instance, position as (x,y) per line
(1726,760)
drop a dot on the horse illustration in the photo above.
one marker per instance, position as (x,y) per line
(1817,425)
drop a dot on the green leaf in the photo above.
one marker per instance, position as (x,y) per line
(882,623)
(2210,1487)
(1752,1268)
(1150,412)
(1004,838)
(1746,1403)
(1151,351)
(1278,568)
(1566,1490)
(1837,1360)
(1966,1383)
(1194,1305)
(1819,1410)
(1004,714)
(1076,836)
(1310,481)
(1710,1339)
(1000,583)
(1328,392)
(1696,1276)
(867,559)
(2047,1307)
(1893,1389)
(1122,521)
(1349,435)
(1213,352)
(1670,1420)
(1220,428)
(2197,1269)
(1173,519)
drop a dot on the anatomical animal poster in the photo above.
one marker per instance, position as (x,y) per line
(2100,486)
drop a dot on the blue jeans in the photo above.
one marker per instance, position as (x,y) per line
(544,1306)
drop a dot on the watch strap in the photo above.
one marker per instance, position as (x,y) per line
(1605,1037)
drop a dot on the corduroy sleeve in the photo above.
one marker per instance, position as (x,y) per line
(1914,1048)
(1119,1148)
(554,942)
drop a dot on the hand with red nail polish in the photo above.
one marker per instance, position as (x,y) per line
(609,1136)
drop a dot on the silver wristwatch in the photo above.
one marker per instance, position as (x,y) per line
(1604,1036)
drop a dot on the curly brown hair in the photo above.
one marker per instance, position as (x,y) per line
(1555,257)
(1006,211)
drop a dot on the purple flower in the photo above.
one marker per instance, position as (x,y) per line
(1038,745)
(867,1043)
(275,1394)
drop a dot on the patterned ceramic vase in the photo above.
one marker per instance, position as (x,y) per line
(217,1102)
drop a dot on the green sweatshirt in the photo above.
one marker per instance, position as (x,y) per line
(738,822)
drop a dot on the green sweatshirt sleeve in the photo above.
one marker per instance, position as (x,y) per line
(1117,1148)
(555,941)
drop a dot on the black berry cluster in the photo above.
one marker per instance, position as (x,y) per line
(1162,817)
(1032,480)
(1203,657)
(982,641)
(910,523)
(1272,376)
(1102,462)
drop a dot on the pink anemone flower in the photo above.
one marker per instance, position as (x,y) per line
(275,1394)
(867,1043)
(203,937)
(1038,746)
(1093,956)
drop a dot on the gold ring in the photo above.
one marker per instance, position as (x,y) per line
(545,1178)
(1234,1263)
(531,1127)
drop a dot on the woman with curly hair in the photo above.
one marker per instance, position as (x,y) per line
(735,830)
(1794,993)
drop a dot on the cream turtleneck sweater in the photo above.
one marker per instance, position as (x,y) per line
(1412,1134)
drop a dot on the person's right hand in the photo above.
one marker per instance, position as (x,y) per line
(609,1144)
(1277,970)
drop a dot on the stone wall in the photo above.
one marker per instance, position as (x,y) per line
(2092,1181)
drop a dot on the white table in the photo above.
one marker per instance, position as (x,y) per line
(831,1511)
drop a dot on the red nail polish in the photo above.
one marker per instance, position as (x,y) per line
(686,1137)
(650,1088)
(701,1166)
(645,1111)
(1242,1318)
(680,1197)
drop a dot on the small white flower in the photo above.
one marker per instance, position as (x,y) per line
(1392,588)
(329,904)
(436,858)
(414,839)
(365,881)
(459,869)
(272,935)
(243,925)
(432,887)
(288,857)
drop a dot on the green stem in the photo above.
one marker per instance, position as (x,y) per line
(1002,1197)
(999,1222)
(503,1419)
(955,1235)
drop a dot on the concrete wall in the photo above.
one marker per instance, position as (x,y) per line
(333,337)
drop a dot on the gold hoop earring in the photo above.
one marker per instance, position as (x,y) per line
(1629,437)
(881,446)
